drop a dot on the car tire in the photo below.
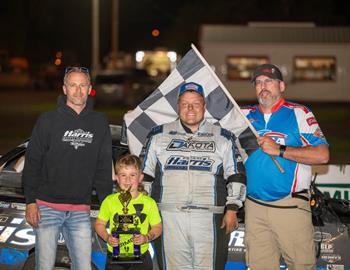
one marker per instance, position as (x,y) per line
(62,260)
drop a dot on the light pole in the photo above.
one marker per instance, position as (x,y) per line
(95,67)
(115,28)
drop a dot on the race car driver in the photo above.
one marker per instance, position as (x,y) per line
(197,177)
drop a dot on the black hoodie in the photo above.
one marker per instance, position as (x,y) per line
(68,154)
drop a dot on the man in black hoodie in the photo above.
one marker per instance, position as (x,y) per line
(69,153)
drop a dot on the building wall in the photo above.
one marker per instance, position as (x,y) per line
(283,55)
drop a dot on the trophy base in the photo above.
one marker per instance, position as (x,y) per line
(126,260)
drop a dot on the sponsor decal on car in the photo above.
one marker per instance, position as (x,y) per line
(18,206)
(3,219)
(327,247)
(14,232)
(335,267)
(236,243)
(4,205)
(331,258)
(322,236)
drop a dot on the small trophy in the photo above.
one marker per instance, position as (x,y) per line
(126,251)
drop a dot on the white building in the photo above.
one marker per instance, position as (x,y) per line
(315,61)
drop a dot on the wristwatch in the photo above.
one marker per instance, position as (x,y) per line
(282,150)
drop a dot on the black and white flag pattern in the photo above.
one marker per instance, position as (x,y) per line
(161,106)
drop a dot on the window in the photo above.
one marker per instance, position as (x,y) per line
(314,68)
(242,67)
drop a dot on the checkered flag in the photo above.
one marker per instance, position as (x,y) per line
(161,106)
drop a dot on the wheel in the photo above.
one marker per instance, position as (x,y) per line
(62,262)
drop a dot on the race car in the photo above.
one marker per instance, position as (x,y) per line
(17,240)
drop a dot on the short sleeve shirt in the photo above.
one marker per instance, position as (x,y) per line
(143,207)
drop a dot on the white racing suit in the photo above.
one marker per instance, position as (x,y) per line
(195,177)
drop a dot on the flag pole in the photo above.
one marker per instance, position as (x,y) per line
(233,101)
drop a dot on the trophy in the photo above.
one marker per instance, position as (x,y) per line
(126,251)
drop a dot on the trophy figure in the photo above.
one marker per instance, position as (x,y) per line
(126,251)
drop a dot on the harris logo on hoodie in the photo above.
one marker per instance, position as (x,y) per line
(77,137)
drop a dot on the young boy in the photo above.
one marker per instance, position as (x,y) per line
(143,208)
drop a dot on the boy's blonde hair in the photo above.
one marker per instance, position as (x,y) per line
(133,161)
(128,160)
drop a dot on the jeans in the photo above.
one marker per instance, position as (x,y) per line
(76,229)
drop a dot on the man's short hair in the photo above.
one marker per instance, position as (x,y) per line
(70,70)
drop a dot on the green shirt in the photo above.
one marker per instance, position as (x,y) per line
(143,207)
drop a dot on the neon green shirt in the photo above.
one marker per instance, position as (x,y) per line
(147,213)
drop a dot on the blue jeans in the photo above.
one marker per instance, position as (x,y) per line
(76,229)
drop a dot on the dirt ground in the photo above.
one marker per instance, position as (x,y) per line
(19,110)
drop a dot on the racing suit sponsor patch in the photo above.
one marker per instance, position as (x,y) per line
(311,121)
(191,163)
(278,137)
(318,133)
(191,145)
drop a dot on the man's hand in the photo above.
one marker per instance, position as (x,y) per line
(32,214)
(306,154)
(269,146)
(230,221)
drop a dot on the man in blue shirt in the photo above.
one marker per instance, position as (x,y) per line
(278,218)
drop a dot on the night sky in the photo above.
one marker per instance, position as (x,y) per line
(36,29)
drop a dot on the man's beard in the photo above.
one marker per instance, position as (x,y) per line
(267,101)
